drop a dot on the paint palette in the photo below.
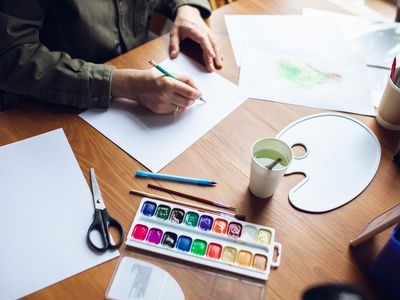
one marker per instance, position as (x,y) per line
(212,240)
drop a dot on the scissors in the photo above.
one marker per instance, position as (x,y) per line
(102,221)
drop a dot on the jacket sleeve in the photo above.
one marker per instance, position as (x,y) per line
(169,7)
(28,68)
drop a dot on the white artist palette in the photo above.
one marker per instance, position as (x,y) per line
(216,241)
(342,158)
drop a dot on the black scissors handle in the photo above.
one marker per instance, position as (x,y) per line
(102,223)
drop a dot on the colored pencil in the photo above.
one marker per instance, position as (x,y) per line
(196,206)
(166,73)
(170,177)
(393,70)
(206,201)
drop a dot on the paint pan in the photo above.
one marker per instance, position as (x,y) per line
(212,240)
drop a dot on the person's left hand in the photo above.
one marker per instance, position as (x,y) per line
(189,24)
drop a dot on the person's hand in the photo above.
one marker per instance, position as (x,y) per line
(159,93)
(189,24)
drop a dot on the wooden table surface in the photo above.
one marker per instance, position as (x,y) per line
(315,246)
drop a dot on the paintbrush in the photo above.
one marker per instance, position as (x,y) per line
(174,192)
(274,163)
(196,206)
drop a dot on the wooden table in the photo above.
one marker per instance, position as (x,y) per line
(315,246)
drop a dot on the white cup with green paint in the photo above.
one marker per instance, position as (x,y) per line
(270,158)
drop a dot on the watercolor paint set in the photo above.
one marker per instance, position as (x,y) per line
(204,238)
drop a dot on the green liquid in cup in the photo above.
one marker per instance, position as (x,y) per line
(266,157)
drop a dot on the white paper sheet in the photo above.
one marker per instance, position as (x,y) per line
(361,8)
(306,79)
(290,32)
(377,40)
(46,210)
(155,140)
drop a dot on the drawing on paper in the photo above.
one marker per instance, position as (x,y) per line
(303,75)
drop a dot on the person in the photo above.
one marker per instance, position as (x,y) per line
(55,51)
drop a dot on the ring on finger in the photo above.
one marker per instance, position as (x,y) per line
(176,108)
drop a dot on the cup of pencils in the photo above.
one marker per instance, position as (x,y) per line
(388,115)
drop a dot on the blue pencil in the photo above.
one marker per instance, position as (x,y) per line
(198,181)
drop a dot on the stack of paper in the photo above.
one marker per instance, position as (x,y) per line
(304,60)
(46,210)
(378,41)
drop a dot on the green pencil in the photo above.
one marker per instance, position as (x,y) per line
(166,73)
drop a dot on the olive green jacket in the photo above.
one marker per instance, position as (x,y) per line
(54,50)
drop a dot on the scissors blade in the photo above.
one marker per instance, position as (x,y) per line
(97,198)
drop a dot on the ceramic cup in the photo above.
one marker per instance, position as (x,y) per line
(388,115)
(264,181)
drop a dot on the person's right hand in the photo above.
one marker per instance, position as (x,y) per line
(157,92)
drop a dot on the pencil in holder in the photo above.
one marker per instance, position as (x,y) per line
(388,115)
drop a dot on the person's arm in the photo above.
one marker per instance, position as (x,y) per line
(27,67)
(163,94)
(188,16)
(189,24)
(170,7)
(153,90)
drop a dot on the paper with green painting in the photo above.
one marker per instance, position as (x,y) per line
(285,32)
(303,60)
(377,40)
(306,79)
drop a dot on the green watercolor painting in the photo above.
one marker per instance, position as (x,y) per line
(301,74)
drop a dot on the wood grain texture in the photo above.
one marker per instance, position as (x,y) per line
(315,246)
